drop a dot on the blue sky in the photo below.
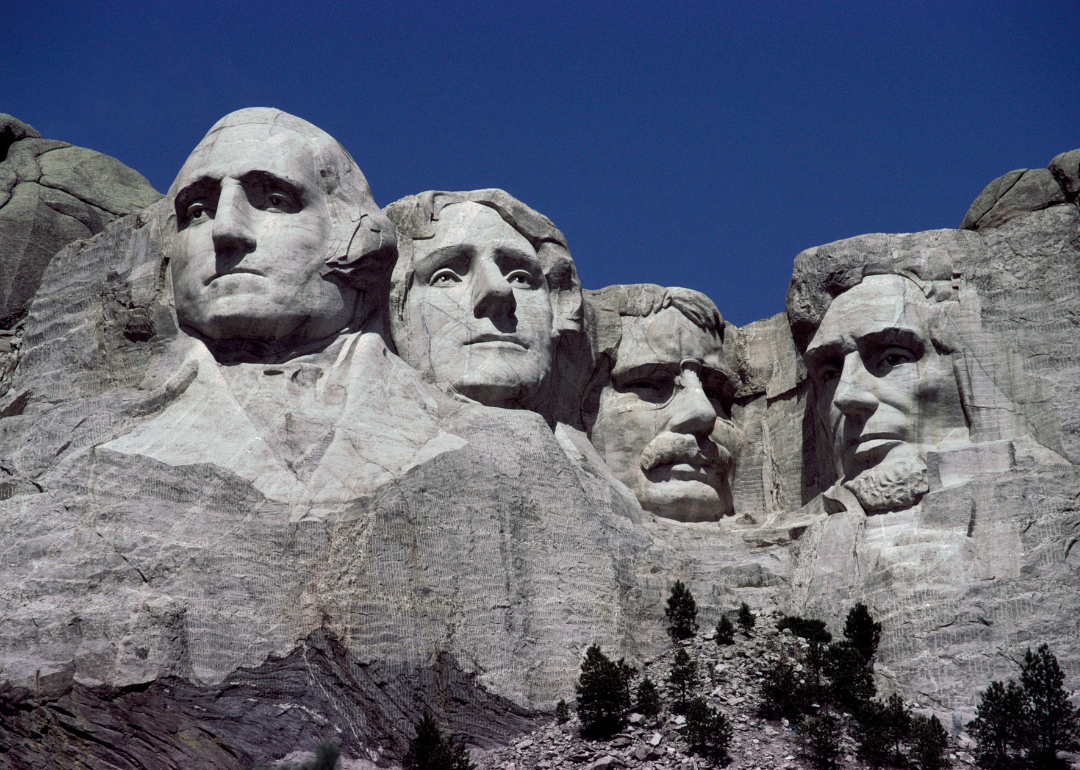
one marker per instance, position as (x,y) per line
(688,144)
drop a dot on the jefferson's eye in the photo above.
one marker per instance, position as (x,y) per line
(520,279)
(444,277)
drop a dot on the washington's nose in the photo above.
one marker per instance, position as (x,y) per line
(853,396)
(692,411)
(493,296)
(232,221)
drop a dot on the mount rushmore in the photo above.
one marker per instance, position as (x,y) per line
(278,465)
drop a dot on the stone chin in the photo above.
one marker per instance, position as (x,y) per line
(682,500)
(891,485)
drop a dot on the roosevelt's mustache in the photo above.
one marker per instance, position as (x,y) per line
(671,448)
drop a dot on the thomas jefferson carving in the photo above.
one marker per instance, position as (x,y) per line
(483,289)
(659,405)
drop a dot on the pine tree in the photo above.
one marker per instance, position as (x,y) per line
(725,631)
(1053,724)
(602,694)
(681,612)
(648,698)
(429,750)
(707,731)
(862,631)
(821,736)
(562,712)
(781,692)
(683,677)
(999,724)
(928,743)
(871,734)
(897,726)
(851,680)
(746,618)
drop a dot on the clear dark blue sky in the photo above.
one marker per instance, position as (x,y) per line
(690,144)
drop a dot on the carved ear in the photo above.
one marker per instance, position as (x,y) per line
(564,290)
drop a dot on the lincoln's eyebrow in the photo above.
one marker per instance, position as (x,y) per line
(816,357)
(894,335)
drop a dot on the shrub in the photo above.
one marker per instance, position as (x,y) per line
(746,618)
(862,632)
(681,612)
(998,725)
(810,629)
(602,690)
(648,698)
(707,731)
(871,734)
(562,712)
(821,739)
(1052,723)
(725,631)
(429,750)
(683,677)
(928,743)
(897,725)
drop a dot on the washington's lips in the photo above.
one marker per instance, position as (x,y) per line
(503,338)
(234,271)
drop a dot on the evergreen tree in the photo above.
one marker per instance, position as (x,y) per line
(648,698)
(897,726)
(1052,723)
(707,731)
(562,712)
(746,618)
(821,737)
(871,734)
(928,743)
(602,694)
(681,612)
(683,677)
(999,725)
(725,631)
(862,632)
(429,750)
(781,692)
(851,680)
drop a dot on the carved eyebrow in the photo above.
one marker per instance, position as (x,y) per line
(200,187)
(817,357)
(644,370)
(445,256)
(259,176)
(894,335)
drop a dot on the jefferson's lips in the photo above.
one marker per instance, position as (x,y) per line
(508,338)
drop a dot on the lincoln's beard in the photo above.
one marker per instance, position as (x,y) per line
(890,486)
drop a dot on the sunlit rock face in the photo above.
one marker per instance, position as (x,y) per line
(226,487)
(658,406)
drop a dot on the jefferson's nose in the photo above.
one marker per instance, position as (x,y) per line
(493,296)
(692,411)
(854,396)
(232,221)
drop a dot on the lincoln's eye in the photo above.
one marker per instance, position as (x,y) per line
(444,277)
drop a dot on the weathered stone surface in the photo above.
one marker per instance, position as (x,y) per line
(52,193)
(230,529)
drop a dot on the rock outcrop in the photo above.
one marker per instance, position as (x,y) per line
(225,538)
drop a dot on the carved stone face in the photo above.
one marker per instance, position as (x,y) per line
(883,392)
(253,236)
(480,300)
(664,422)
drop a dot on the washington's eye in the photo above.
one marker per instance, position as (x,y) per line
(444,277)
(278,199)
(195,211)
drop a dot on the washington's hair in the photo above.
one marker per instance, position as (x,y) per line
(362,245)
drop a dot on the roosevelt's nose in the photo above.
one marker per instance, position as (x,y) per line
(493,296)
(854,394)
(233,231)
(692,411)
